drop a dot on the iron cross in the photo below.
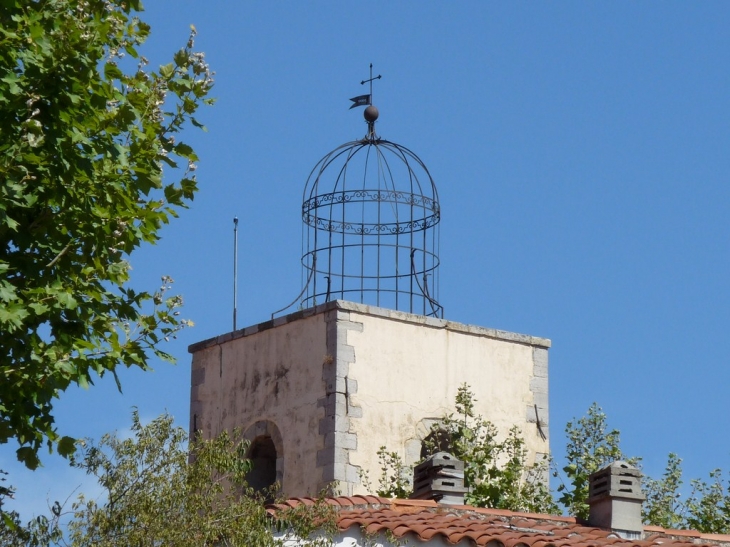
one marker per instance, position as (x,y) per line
(370,81)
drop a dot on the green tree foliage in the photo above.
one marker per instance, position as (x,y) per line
(708,507)
(396,478)
(39,532)
(498,475)
(84,135)
(590,448)
(157,489)
(664,506)
(496,471)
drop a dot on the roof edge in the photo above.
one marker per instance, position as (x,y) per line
(397,508)
(374,311)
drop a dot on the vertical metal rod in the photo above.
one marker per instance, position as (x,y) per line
(380,205)
(235,269)
(424,269)
(371,84)
(344,237)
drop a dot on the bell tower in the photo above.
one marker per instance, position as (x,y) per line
(367,360)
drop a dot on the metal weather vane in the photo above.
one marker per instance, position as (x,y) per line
(362,100)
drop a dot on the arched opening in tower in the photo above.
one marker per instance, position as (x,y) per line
(437,441)
(263,457)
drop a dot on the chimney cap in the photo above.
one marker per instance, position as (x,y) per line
(440,478)
(619,479)
(614,497)
(621,466)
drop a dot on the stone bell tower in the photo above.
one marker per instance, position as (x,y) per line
(368,360)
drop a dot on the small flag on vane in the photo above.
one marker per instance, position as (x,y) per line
(360,100)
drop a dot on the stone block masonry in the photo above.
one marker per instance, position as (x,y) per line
(340,380)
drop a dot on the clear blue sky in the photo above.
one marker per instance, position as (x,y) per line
(581,153)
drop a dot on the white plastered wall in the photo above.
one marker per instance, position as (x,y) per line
(343,379)
(408,374)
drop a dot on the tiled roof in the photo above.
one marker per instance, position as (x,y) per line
(489,527)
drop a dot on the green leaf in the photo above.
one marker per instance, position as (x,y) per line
(173,194)
(7,519)
(28,456)
(112,72)
(181,58)
(189,187)
(13,314)
(196,123)
(7,291)
(116,380)
(66,446)
(83,381)
(67,300)
(167,70)
(38,307)
(185,151)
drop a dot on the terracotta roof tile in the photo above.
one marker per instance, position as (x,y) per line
(426,519)
(725,538)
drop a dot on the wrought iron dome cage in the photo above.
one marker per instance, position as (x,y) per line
(371,227)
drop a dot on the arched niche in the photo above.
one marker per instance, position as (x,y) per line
(266,453)
(438,440)
(427,436)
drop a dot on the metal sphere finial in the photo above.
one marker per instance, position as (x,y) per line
(371,114)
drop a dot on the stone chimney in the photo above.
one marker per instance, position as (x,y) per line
(615,497)
(440,478)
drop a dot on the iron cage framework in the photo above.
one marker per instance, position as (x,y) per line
(371,229)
